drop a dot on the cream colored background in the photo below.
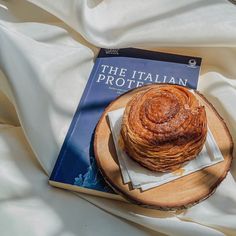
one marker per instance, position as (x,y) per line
(45,62)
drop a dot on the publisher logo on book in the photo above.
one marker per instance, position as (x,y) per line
(112,51)
(192,63)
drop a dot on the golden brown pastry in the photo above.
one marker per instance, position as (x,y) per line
(164,127)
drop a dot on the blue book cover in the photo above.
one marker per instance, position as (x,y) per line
(115,71)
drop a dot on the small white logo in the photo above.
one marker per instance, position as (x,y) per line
(192,63)
(112,51)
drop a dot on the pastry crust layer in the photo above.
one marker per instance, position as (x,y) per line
(164,127)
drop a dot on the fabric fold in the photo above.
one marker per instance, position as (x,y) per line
(117,24)
(46,70)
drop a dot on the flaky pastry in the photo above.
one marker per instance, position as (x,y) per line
(164,127)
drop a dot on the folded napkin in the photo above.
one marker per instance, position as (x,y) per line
(145,179)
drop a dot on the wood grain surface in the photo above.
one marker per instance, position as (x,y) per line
(178,194)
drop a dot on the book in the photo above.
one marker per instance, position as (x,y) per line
(115,71)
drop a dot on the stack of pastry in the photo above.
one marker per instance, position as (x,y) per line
(164,127)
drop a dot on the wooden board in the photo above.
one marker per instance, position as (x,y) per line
(178,194)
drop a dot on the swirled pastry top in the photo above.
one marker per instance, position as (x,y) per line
(164,127)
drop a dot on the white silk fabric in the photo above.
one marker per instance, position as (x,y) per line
(45,61)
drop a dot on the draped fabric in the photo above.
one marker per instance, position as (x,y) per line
(47,50)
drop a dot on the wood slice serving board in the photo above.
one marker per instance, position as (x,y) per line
(178,194)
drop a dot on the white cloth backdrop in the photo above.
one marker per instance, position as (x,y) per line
(45,63)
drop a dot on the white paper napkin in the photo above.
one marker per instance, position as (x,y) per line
(145,179)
